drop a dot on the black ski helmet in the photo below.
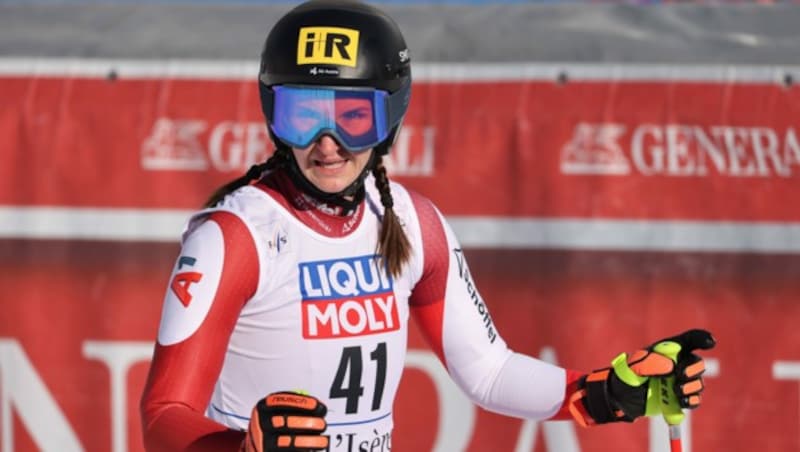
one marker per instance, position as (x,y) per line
(337,43)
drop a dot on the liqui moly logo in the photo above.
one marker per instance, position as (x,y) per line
(347,297)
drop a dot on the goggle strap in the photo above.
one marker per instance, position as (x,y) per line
(267,100)
(398,103)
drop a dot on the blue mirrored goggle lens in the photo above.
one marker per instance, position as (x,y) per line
(355,117)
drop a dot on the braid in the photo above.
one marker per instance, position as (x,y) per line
(278,159)
(393,244)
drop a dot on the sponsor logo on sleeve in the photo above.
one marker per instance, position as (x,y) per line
(182,281)
(347,297)
(327,45)
(477,301)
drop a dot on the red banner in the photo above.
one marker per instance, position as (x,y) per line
(648,150)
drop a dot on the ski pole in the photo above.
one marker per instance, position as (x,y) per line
(670,407)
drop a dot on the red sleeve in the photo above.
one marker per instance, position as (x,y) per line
(182,375)
(573,378)
(427,297)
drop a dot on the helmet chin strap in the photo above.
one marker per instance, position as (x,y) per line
(355,190)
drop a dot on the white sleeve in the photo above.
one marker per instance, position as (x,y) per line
(478,359)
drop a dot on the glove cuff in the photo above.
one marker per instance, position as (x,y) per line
(592,403)
(597,400)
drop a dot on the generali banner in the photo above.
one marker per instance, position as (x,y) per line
(597,148)
(78,317)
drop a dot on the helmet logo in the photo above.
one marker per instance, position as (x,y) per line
(403,55)
(327,45)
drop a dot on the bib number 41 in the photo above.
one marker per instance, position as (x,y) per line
(351,366)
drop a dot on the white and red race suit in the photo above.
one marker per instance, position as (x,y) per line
(273,292)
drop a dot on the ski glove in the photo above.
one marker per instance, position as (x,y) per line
(661,379)
(287,422)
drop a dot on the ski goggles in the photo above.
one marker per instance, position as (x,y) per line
(358,118)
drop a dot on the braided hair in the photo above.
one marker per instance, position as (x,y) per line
(393,243)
